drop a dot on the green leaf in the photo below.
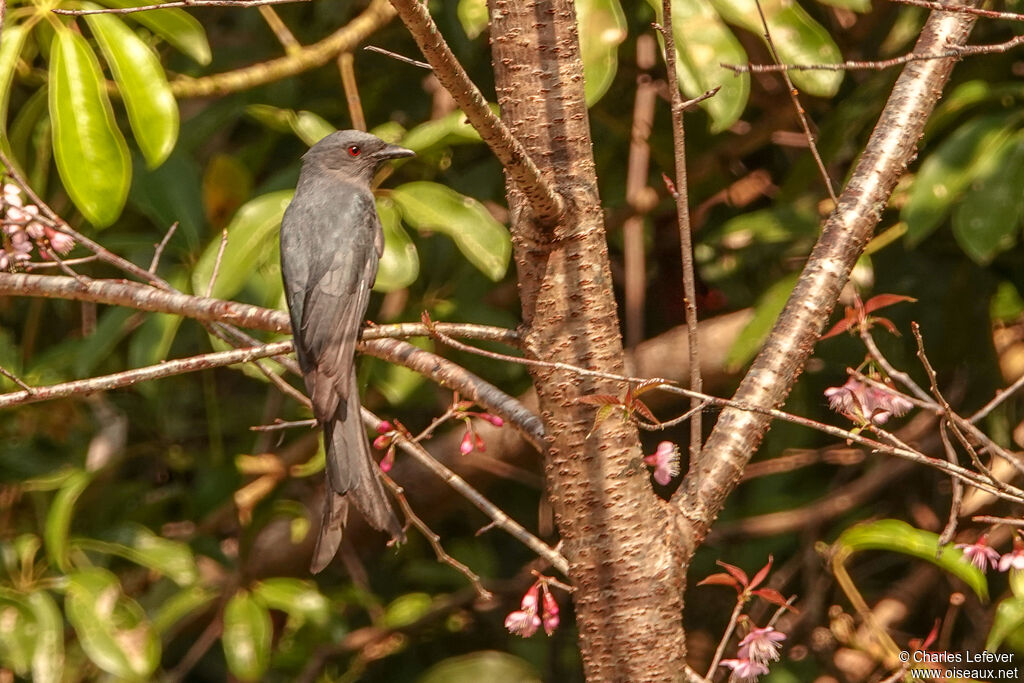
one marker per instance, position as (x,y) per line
(766,312)
(17,633)
(152,109)
(473,16)
(602,28)
(703,43)
(252,240)
(493,667)
(406,609)
(451,129)
(10,49)
(862,6)
(1009,618)
(179,28)
(29,118)
(947,172)
(58,519)
(481,239)
(309,127)
(183,603)
(985,223)
(900,537)
(797,37)
(400,264)
(138,544)
(48,656)
(91,153)
(246,638)
(301,600)
(111,627)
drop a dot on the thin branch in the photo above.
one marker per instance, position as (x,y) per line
(31,266)
(879,65)
(171,5)
(435,540)
(14,378)
(280,30)
(958,491)
(401,58)
(680,192)
(1001,396)
(282,424)
(497,516)
(348,83)
(150,372)
(801,114)
(547,205)
(216,263)
(989,519)
(720,650)
(159,249)
(943,7)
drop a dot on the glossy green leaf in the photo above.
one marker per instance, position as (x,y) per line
(48,654)
(406,609)
(703,44)
(766,312)
(185,602)
(301,600)
(112,628)
(1009,619)
(309,127)
(948,170)
(898,536)
(246,637)
(490,666)
(798,38)
(138,544)
(602,28)
(862,6)
(473,16)
(481,239)
(171,193)
(27,120)
(448,130)
(10,49)
(400,264)
(179,28)
(988,218)
(58,518)
(91,153)
(152,109)
(252,239)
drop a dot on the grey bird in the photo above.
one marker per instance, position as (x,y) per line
(331,242)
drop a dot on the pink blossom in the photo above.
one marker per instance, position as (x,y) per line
(388,461)
(744,670)
(862,402)
(550,613)
(522,623)
(761,645)
(12,194)
(665,461)
(980,553)
(493,419)
(466,447)
(1015,558)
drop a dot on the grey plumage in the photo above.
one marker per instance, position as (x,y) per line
(331,242)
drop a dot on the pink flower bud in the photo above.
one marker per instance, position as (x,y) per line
(494,420)
(383,427)
(466,447)
(382,442)
(480,445)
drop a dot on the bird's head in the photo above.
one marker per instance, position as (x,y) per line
(353,154)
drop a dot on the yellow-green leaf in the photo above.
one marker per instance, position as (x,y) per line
(177,27)
(797,37)
(10,49)
(246,639)
(48,655)
(482,240)
(703,44)
(400,263)
(92,156)
(152,109)
(58,519)
(602,28)
(986,222)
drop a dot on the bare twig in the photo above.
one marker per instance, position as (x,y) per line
(720,650)
(159,250)
(216,263)
(943,7)
(14,378)
(497,516)
(150,372)
(348,83)
(401,58)
(547,205)
(1000,396)
(958,490)
(282,424)
(31,266)
(801,114)
(680,192)
(989,519)
(171,5)
(435,541)
(280,29)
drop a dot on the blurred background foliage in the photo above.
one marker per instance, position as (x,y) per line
(138,538)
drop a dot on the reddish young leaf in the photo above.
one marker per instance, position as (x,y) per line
(639,406)
(886,323)
(883,300)
(600,400)
(736,572)
(649,384)
(851,318)
(775,597)
(720,580)
(761,573)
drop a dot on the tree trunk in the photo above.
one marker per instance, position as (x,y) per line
(619,536)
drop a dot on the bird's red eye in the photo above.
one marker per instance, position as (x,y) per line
(354,151)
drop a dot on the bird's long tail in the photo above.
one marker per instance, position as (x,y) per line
(352,477)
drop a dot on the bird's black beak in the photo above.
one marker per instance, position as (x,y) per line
(393,152)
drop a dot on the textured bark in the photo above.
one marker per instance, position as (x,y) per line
(618,535)
(892,146)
